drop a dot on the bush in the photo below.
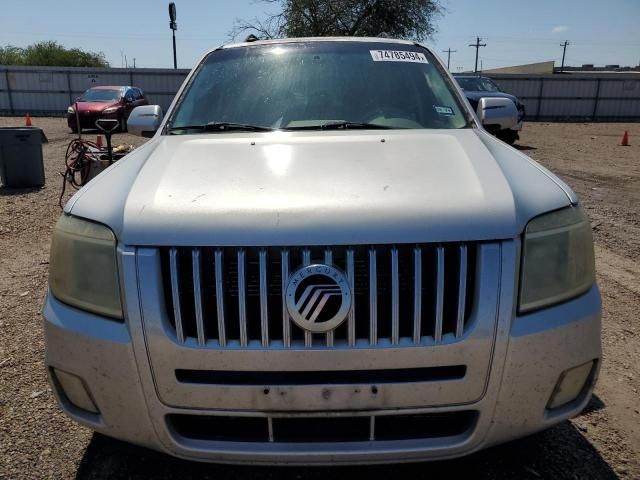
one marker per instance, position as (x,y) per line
(51,54)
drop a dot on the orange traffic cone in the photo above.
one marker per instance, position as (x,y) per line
(625,139)
(99,141)
(27,120)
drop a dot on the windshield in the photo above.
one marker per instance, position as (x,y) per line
(478,84)
(100,95)
(311,85)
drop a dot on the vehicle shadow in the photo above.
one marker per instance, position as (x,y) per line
(559,453)
(523,147)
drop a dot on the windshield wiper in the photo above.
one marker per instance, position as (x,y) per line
(342,125)
(223,127)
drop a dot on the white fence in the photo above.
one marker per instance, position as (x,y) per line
(576,97)
(568,97)
(50,90)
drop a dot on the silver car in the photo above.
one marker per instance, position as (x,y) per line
(321,257)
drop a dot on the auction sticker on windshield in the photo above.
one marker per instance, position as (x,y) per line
(398,56)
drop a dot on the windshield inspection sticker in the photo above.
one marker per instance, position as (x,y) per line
(398,56)
(444,110)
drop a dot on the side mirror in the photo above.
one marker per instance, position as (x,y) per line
(497,113)
(145,120)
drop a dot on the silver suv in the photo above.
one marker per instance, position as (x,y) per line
(321,258)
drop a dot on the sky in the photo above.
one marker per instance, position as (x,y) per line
(515,31)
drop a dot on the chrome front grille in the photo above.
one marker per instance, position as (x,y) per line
(404,295)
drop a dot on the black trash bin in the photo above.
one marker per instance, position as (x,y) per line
(21,162)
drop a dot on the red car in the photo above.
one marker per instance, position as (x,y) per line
(105,102)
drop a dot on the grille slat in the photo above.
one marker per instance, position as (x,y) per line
(306,260)
(351,319)
(264,312)
(222,336)
(286,321)
(417,294)
(175,293)
(373,297)
(439,295)
(395,298)
(328,259)
(197,295)
(462,290)
(401,294)
(242,298)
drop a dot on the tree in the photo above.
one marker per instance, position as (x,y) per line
(51,54)
(412,19)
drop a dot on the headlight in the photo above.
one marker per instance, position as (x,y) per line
(558,260)
(71,110)
(83,268)
(110,110)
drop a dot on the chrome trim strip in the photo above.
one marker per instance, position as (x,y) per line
(351,318)
(437,335)
(175,293)
(270,427)
(306,260)
(462,290)
(417,294)
(264,307)
(286,321)
(222,335)
(373,298)
(328,259)
(395,298)
(197,295)
(372,428)
(242,298)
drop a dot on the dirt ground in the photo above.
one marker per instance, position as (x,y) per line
(38,441)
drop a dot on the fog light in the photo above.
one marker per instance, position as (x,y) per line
(75,390)
(570,385)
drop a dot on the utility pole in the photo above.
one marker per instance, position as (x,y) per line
(477,46)
(564,52)
(173,26)
(449,52)
(134,62)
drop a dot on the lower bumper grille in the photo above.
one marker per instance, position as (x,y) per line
(323,377)
(403,295)
(307,429)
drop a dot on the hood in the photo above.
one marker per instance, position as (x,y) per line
(95,106)
(316,188)
(476,96)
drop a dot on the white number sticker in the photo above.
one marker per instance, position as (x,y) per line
(398,56)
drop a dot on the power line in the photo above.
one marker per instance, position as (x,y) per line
(449,52)
(564,51)
(477,46)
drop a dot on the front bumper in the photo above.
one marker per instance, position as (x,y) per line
(530,353)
